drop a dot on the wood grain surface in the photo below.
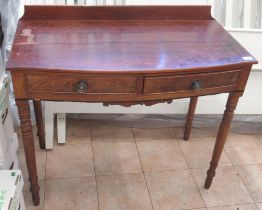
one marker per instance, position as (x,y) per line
(159,43)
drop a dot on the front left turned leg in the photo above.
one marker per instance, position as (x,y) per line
(222,135)
(39,123)
(29,147)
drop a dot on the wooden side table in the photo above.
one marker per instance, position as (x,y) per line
(123,55)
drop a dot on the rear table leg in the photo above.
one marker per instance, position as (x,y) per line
(39,123)
(190,117)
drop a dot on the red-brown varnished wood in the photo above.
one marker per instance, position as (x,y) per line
(222,135)
(29,147)
(164,43)
(131,103)
(124,55)
(117,13)
(39,123)
(95,84)
(183,83)
(190,117)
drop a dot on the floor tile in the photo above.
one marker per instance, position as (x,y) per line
(259,137)
(111,133)
(19,136)
(153,133)
(235,207)
(172,190)
(226,189)
(77,131)
(199,209)
(195,132)
(40,163)
(28,196)
(116,158)
(243,149)
(198,152)
(159,155)
(259,205)
(70,161)
(71,193)
(252,178)
(123,192)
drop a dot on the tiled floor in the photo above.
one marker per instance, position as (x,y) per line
(108,167)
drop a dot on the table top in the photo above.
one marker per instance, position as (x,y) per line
(127,39)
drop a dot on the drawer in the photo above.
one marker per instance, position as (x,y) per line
(82,84)
(183,83)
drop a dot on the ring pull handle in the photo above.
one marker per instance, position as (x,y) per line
(196,85)
(81,86)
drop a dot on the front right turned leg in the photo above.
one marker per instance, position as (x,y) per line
(222,136)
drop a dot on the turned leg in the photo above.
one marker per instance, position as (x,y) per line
(190,117)
(29,148)
(39,123)
(222,135)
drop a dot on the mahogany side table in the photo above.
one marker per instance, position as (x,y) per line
(123,55)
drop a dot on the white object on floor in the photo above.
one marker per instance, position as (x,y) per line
(6,121)
(8,138)
(11,194)
(2,69)
(9,159)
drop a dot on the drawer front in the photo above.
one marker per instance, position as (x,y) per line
(82,84)
(194,82)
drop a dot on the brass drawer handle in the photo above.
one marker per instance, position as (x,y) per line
(196,85)
(81,86)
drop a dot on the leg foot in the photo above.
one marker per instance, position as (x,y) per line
(35,193)
(190,117)
(210,175)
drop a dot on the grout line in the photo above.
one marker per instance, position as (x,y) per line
(143,170)
(194,208)
(83,177)
(75,177)
(221,206)
(90,130)
(238,204)
(134,137)
(192,174)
